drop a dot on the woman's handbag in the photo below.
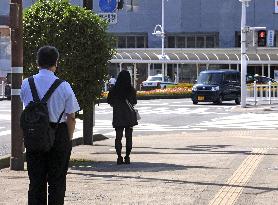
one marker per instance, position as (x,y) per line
(138,117)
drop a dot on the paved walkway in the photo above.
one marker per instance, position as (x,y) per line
(231,167)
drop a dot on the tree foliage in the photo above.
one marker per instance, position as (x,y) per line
(82,39)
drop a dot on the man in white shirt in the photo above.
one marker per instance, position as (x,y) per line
(112,81)
(51,167)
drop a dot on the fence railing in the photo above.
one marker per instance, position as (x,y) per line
(262,93)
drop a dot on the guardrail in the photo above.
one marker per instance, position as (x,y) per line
(262,93)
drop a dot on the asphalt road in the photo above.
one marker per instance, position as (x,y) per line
(164,116)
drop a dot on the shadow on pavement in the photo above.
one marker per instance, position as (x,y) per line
(108,166)
(192,149)
(117,177)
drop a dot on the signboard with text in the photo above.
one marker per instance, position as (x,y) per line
(5,51)
(111,18)
(270,38)
(276,6)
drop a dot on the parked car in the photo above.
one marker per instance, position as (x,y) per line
(259,79)
(156,81)
(216,86)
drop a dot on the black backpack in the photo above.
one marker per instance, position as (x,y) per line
(38,135)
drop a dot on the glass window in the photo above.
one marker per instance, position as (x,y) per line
(171,42)
(200,43)
(121,42)
(140,42)
(210,78)
(154,78)
(191,42)
(210,43)
(130,41)
(180,42)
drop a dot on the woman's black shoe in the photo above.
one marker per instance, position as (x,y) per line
(127,160)
(120,160)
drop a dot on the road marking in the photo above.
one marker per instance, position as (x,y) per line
(230,193)
(6,132)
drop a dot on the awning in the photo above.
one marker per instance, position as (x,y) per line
(195,56)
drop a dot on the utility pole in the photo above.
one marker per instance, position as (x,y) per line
(245,3)
(17,160)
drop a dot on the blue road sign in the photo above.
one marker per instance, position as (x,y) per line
(107,5)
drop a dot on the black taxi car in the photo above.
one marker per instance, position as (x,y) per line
(217,86)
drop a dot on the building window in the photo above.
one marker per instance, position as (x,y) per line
(210,41)
(140,42)
(193,40)
(121,42)
(180,42)
(171,42)
(131,41)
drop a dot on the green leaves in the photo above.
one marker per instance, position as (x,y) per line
(82,39)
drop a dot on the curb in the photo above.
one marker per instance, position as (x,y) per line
(5,160)
(151,97)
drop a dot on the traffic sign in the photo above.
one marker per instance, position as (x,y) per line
(108,5)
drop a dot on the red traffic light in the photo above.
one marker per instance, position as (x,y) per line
(262,34)
(262,38)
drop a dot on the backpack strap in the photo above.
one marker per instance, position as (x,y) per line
(33,89)
(52,88)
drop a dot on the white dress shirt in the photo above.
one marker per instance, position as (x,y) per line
(63,98)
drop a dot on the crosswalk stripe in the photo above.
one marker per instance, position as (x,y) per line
(6,132)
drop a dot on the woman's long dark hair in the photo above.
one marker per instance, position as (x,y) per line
(123,87)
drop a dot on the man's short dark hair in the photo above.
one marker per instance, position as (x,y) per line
(47,56)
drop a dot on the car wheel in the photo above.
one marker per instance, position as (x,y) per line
(220,100)
(195,102)
(237,100)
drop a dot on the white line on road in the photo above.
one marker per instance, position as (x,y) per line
(6,132)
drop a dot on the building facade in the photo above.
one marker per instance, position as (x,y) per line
(189,24)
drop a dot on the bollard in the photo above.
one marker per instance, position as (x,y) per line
(255,92)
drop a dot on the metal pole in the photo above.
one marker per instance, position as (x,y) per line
(243,53)
(16,161)
(269,91)
(162,40)
(135,75)
(255,92)
(163,35)
(177,74)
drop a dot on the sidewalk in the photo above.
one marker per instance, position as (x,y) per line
(188,168)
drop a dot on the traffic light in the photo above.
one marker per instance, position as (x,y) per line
(262,38)
(120,4)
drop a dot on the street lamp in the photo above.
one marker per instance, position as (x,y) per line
(245,3)
(159,32)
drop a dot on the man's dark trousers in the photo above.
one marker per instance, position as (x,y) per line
(49,167)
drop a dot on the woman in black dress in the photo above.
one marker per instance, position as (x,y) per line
(123,119)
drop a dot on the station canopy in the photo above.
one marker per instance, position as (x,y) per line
(262,56)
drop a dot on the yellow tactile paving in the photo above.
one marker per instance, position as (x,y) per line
(228,194)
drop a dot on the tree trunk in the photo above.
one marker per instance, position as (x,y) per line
(88,123)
